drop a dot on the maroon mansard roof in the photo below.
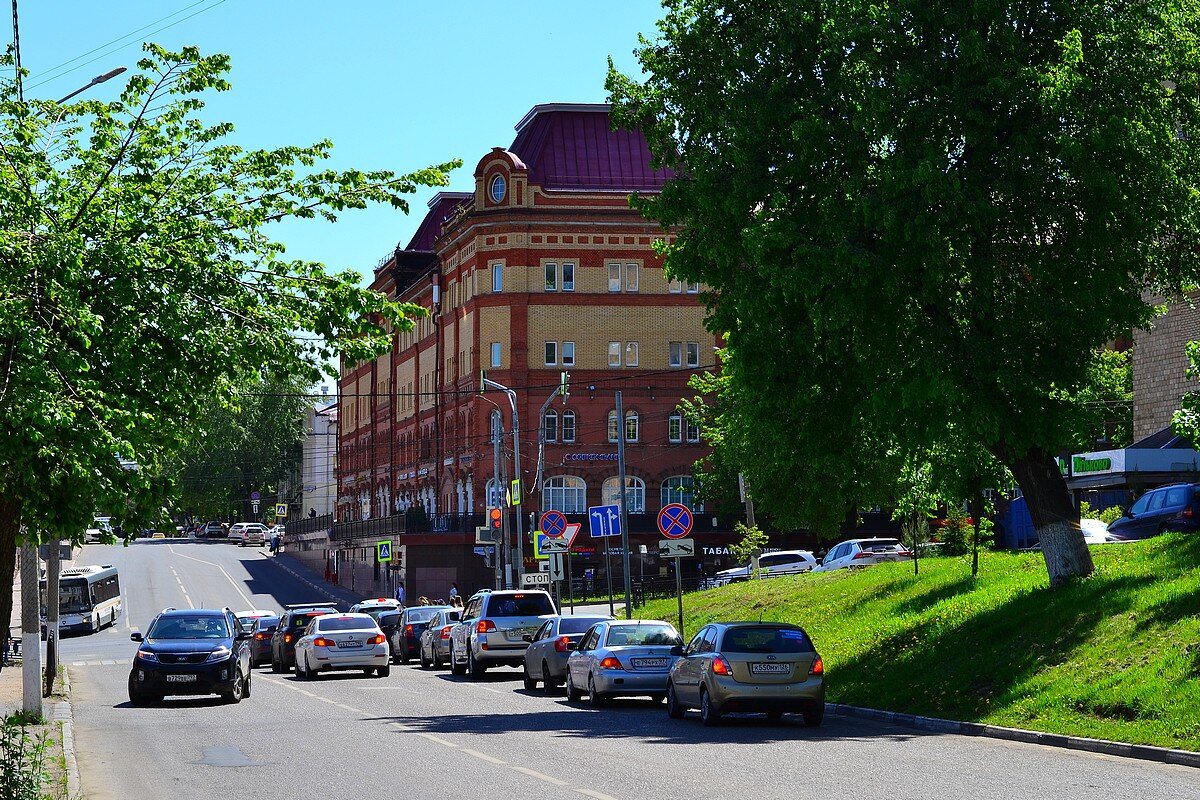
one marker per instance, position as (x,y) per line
(441,207)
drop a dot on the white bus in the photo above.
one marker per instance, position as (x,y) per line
(89,598)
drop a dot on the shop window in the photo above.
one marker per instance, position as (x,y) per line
(635,493)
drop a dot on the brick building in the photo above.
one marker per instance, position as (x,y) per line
(543,268)
(1159,364)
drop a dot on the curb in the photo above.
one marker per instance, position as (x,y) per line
(325,590)
(1144,752)
(64,713)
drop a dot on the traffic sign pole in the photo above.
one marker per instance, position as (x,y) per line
(624,502)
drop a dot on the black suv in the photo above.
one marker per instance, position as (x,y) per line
(291,627)
(195,651)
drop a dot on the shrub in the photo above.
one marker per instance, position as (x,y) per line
(1111,514)
(22,762)
(956,533)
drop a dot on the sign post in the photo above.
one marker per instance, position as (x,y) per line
(675,523)
(605,521)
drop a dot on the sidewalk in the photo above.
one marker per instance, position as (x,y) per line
(315,579)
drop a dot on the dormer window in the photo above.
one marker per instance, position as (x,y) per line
(498,188)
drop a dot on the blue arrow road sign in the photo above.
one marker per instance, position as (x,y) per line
(604,521)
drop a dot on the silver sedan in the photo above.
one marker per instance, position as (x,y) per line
(623,657)
(546,658)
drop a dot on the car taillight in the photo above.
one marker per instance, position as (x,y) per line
(376,639)
(864,554)
(258,637)
(446,632)
(720,666)
(408,629)
(287,638)
(485,625)
(560,644)
(323,642)
(1187,512)
(610,663)
(818,667)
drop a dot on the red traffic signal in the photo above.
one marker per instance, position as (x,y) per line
(495,518)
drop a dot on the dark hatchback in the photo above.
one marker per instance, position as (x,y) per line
(406,643)
(260,641)
(1167,508)
(197,651)
(291,627)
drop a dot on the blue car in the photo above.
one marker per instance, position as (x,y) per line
(1167,508)
(191,652)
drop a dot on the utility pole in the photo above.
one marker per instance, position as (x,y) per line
(621,507)
(53,571)
(493,500)
(516,557)
(31,644)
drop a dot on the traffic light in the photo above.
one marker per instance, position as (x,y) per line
(495,518)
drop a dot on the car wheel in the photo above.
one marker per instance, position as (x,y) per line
(425,662)
(549,685)
(455,667)
(136,696)
(276,667)
(234,695)
(774,716)
(529,680)
(573,694)
(674,709)
(709,714)
(474,668)
(813,717)
(595,699)
(405,656)
(383,672)
(436,658)
(246,688)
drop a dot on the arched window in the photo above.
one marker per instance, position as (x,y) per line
(565,493)
(681,489)
(568,427)
(675,427)
(495,494)
(635,493)
(613,428)
(632,426)
(551,423)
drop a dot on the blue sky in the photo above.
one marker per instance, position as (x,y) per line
(395,85)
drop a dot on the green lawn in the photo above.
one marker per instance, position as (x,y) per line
(1115,656)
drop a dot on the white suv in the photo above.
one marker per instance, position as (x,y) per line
(863,553)
(493,629)
(783,562)
(238,531)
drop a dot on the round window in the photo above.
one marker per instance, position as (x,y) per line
(498,188)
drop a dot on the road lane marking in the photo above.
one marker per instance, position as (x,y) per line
(595,794)
(228,577)
(437,739)
(349,708)
(541,776)
(484,757)
(109,663)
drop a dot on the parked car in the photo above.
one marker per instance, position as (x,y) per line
(760,667)
(783,562)
(214,530)
(238,531)
(407,641)
(863,553)
(195,651)
(260,640)
(623,657)
(246,619)
(434,649)
(253,533)
(376,607)
(1168,508)
(549,647)
(291,627)
(341,642)
(1096,532)
(498,622)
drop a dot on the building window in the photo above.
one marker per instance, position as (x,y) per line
(565,493)
(568,427)
(693,287)
(568,277)
(631,277)
(494,494)
(551,426)
(693,432)
(614,277)
(551,276)
(614,354)
(675,427)
(631,354)
(635,494)
(612,425)
(693,354)
(681,489)
(498,188)
(495,354)
(632,426)
(551,354)
(568,354)
(497,278)
(675,286)
(675,354)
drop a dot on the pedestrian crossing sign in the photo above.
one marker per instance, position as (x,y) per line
(281,510)
(383,551)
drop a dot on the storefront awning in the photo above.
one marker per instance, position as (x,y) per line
(1159,459)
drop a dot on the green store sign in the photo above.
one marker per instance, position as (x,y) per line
(1079,464)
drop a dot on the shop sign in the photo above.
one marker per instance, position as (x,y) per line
(590,457)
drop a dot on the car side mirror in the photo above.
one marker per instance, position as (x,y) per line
(528,637)
(677,650)
(135,637)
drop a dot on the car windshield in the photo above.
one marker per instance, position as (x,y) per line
(331,624)
(422,614)
(576,624)
(640,635)
(266,625)
(72,597)
(520,605)
(766,640)
(190,626)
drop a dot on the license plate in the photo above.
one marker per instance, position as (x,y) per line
(181,678)
(649,662)
(350,643)
(770,669)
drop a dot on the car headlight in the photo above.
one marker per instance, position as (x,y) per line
(146,655)
(220,654)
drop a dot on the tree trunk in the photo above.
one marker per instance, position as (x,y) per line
(1055,517)
(10,524)
(976,513)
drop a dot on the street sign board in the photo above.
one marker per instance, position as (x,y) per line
(554,523)
(535,579)
(255,496)
(675,521)
(539,545)
(281,510)
(554,546)
(484,535)
(254,506)
(677,548)
(604,521)
(572,532)
(383,551)
(557,572)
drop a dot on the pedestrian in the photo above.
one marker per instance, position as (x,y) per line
(453,591)
(312,512)
(400,593)
(275,541)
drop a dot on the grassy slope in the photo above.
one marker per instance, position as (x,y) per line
(1115,656)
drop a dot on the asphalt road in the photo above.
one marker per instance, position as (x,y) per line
(425,734)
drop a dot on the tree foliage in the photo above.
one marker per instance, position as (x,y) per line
(920,220)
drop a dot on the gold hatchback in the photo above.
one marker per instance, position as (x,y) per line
(759,667)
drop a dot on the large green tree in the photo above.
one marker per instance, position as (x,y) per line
(138,287)
(919,220)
